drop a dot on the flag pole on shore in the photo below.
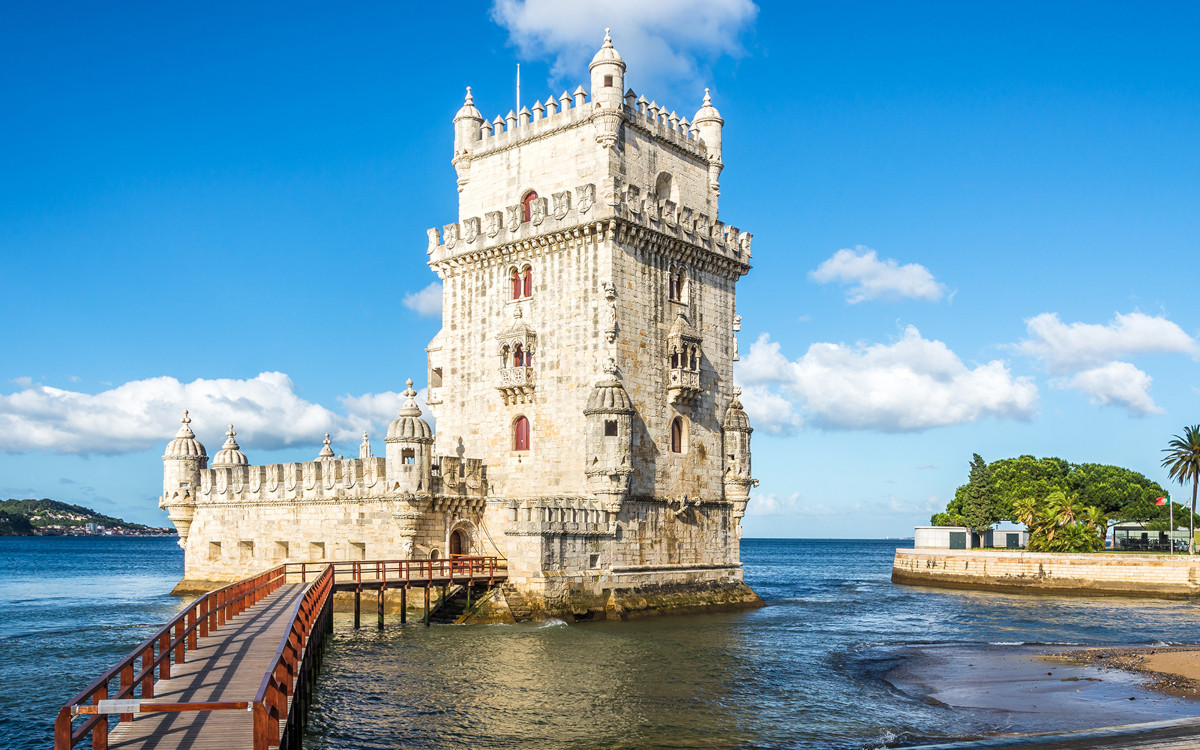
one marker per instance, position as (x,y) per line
(1171,513)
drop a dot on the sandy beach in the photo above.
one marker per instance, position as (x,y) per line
(1039,696)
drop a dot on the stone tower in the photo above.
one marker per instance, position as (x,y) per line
(183,461)
(587,343)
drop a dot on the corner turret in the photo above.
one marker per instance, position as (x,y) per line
(409,459)
(736,444)
(608,84)
(183,461)
(709,124)
(609,441)
(468,132)
(230,453)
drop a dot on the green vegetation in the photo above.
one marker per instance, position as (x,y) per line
(1183,463)
(20,517)
(994,490)
(1060,524)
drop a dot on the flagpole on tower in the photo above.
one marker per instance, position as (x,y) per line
(518,109)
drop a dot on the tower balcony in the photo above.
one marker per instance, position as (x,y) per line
(683,386)
(516,384)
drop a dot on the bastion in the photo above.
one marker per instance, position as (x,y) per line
(1092,574)
(588,431)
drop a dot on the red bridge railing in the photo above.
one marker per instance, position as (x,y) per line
(293,669)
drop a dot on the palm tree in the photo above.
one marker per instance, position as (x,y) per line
(1183,463)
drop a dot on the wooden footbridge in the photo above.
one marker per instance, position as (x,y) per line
(236,668)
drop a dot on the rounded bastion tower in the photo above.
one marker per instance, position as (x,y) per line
(183,461)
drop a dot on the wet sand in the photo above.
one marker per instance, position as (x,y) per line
(1039,696)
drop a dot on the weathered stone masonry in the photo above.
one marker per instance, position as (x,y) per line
(585,365)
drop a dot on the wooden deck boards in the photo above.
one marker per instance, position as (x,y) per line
(227,665)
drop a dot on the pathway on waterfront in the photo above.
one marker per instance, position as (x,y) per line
(227,666)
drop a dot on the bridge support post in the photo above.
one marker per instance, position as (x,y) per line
(404,605)
(357,604)
(381,607)
(427,606)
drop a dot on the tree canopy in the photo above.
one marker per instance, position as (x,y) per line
(1120,494)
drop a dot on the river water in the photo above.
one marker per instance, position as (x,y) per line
(806,671)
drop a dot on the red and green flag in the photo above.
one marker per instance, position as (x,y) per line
(1163,500)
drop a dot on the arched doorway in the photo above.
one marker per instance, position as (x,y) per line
(458,543)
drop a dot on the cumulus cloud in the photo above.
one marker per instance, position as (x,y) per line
(660,41)
(1116,384)
(770,411)
(427,303)
(912,384)
(869,278)
(142,414)
(1076,346)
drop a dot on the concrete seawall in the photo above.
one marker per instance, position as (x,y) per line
(1096,574)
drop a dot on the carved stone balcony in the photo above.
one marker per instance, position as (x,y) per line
(516,384)
(683,386)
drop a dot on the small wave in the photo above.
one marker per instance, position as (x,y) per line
(85,628)
(553,622)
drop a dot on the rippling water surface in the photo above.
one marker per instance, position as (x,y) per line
(802,672)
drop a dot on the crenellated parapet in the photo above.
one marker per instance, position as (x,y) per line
(497,234)
(309,481)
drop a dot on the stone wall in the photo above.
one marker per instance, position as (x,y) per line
(1044,572)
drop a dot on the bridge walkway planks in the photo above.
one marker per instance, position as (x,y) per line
(227,666)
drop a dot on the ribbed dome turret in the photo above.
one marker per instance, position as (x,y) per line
(607,54)
(409,425)
(707,111)
(185,444)
(608,395)
(735,418)
(230,453)
(468,110)
(326,450)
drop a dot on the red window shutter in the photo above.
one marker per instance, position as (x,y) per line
(521,434)
(516,284)
(528,282)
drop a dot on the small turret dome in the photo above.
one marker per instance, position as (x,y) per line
(468,110)
(707,112)
(185,444)
(409,425)
(230,453)
(735,418)
(608,396)
(326,450)
(607,54)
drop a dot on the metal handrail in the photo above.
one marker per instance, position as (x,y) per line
(202,616)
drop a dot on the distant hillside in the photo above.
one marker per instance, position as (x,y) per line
(21,517)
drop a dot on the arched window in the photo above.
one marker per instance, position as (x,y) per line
(678,437)
(521,434)
(666,189)
(674,359)
(677,284)
(693,364)
(518,356)
(515,279)
(527,203)
(527,281)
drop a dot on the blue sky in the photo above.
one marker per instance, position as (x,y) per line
(975,228)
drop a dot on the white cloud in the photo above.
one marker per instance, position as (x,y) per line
(1077,346)
(1116,384)
(142,414)
(24,381)
(660,41)
(427,303)
(912,384)
(770,411)
(870,278)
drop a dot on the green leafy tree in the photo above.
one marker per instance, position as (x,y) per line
(1182,463)
(1059,523)
(979,497)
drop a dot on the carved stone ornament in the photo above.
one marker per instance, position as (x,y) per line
(451,234)
(562,204)
(515,217)
(434,240)
(686,222)
(668,213)
(610,294)
(470,230)
(586,195)
(633,200)
(702,226)
(653,209)
(491,223)
(718,233)
(537,211)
